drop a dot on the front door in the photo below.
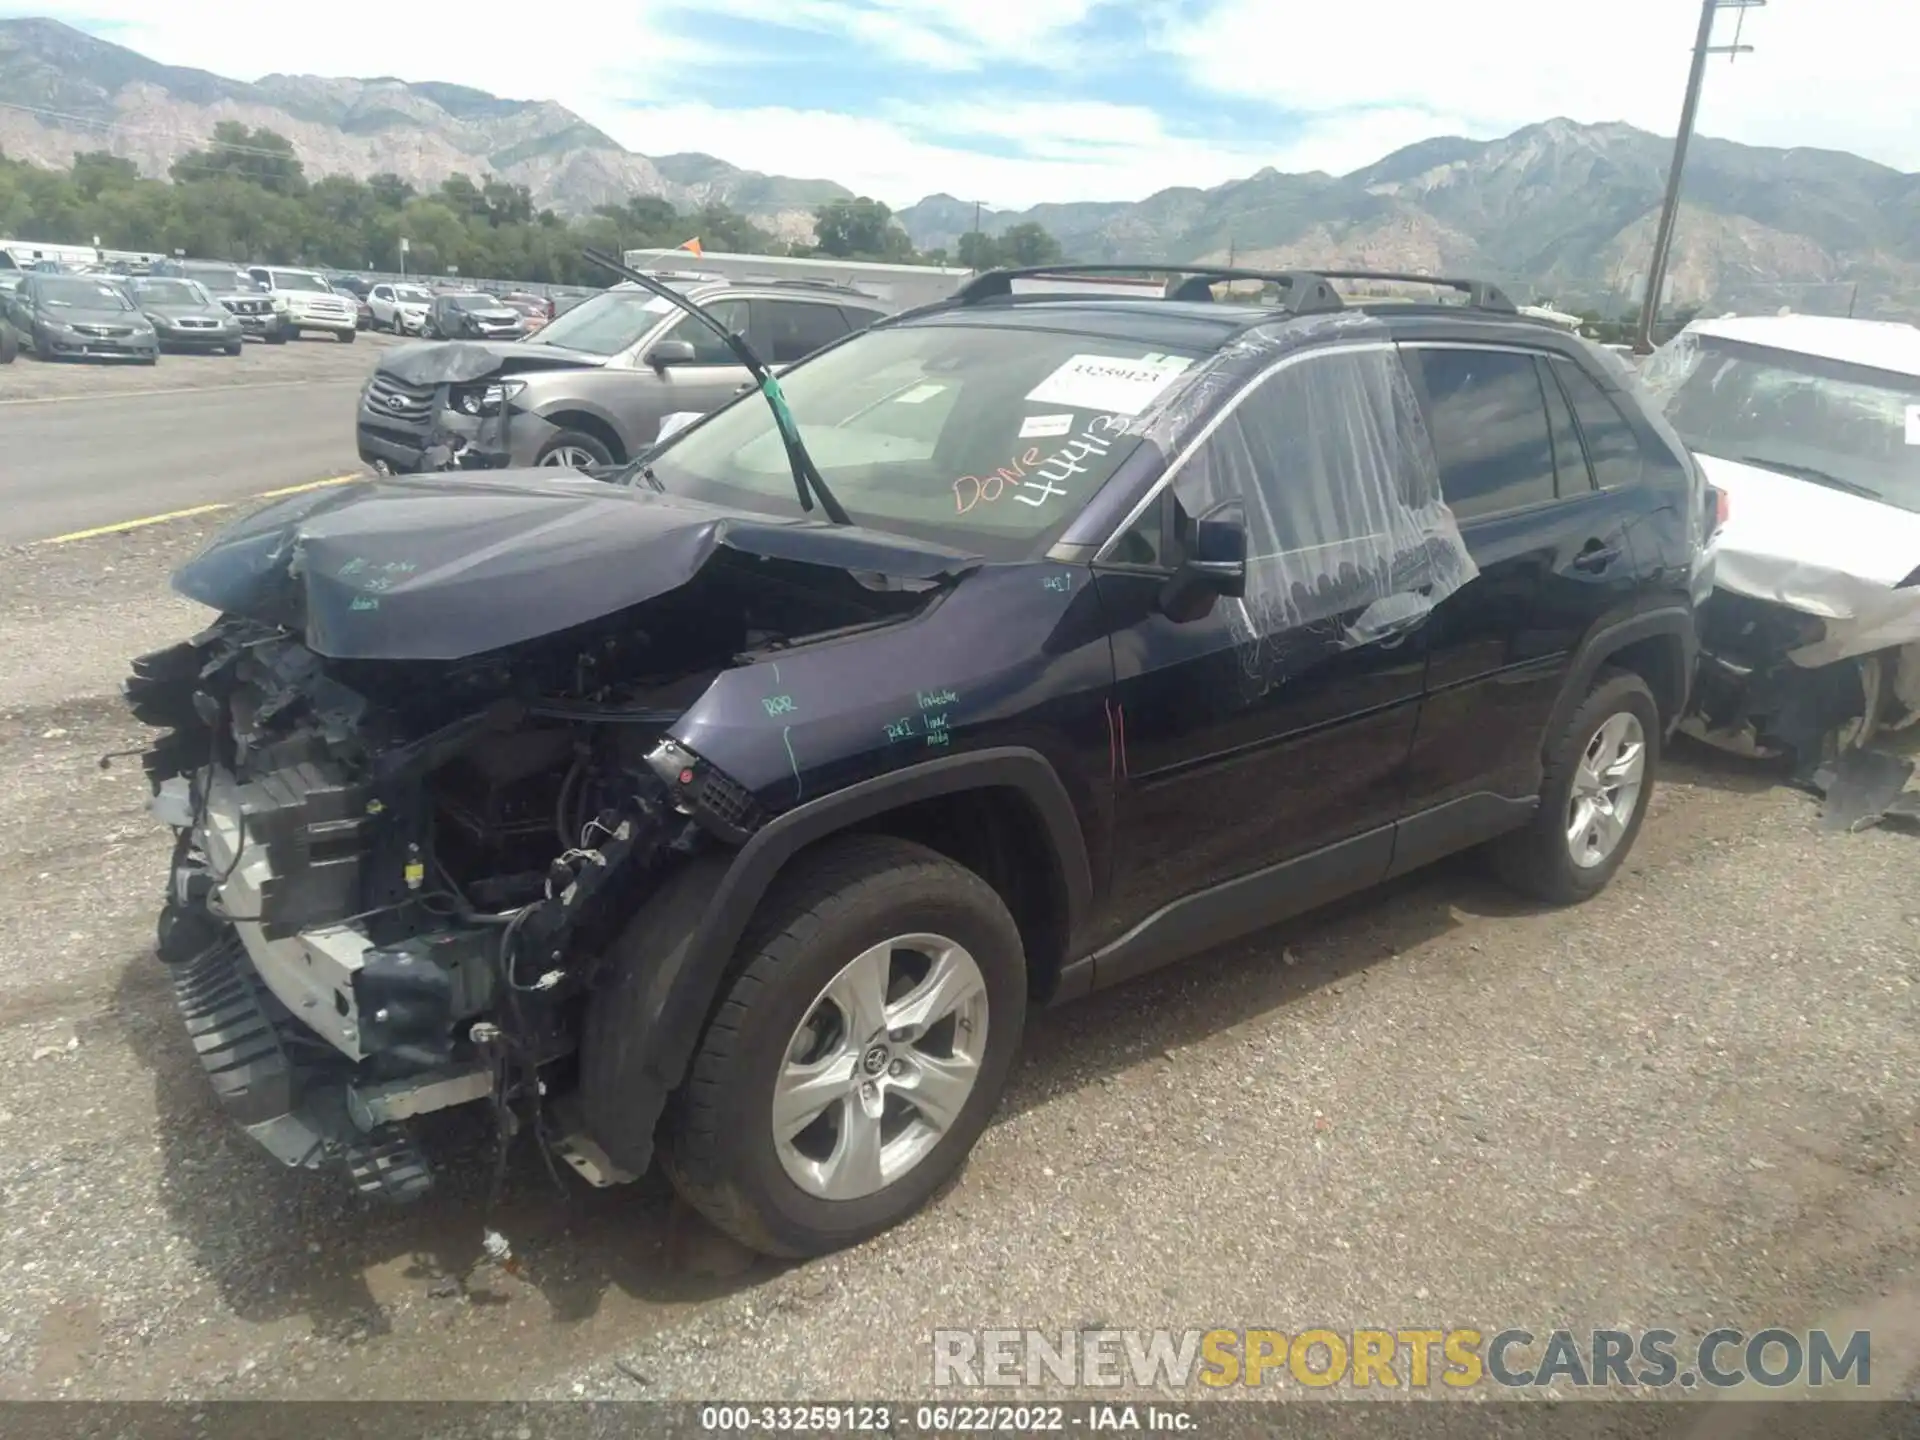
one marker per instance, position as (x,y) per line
(1265,735)
(712,378)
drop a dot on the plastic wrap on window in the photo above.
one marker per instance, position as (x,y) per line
(1349,540)
(1668,368)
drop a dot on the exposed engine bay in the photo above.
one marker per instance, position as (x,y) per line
(394,879)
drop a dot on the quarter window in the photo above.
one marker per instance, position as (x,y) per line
(1489,424)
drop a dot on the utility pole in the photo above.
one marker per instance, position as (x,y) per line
(1703,46)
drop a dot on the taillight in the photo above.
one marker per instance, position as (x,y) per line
(1722,508)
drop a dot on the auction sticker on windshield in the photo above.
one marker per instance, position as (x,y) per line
(1109,383)
(1913,424)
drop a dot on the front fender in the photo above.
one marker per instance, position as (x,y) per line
(670,965)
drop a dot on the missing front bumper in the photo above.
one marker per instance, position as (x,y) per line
(307,1114)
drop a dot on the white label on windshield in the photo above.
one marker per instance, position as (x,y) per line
(1101,382)
(918,395)
(1039,427)
(673,424)
(1913,424)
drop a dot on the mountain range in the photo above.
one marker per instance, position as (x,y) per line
(1556,209)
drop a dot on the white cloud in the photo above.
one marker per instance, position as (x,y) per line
(1832,73)
(1084,151)
(1836,74)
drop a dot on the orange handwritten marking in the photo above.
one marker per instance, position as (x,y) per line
(992,487)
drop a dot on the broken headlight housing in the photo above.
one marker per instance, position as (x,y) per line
(485,400)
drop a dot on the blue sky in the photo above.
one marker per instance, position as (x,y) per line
(1012,102)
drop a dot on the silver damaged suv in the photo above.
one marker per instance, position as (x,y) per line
(591,387)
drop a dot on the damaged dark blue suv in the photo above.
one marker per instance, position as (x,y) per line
(665,816)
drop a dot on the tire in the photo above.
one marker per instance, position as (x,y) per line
(9,345)
(346,337)
(845,898)
(278,335)
(1539,860)
(149,359)
(236,347)
(577,440)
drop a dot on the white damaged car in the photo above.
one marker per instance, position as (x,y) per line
(1811,426)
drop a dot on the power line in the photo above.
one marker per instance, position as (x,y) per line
(119,127)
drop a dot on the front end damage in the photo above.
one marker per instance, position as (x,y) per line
(449,405)
(399,864)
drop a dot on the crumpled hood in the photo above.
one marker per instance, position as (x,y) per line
(454,362)
(440,567)
(1822,552)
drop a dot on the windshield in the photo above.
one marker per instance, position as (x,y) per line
(411,295)
(607,323)
(1825,421)
(299,280)
(981,439)
(73,292)
(475,302)
(170,292)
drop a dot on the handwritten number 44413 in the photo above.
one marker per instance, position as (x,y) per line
(1037,479)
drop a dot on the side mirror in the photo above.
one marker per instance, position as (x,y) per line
(1216,565)
(671,352)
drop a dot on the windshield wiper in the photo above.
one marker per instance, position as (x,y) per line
(807,483)
(1813,473)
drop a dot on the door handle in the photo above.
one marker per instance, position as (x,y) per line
(1596,557)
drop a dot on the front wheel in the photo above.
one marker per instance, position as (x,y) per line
(859,1050)
(575,450)
(278,335)
(1594,794)
(345,337)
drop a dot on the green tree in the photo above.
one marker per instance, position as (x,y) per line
(859,227)
(977,250)
(1028,244)
(261,156)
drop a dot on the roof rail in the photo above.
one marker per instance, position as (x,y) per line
(1481,294)
(840,287)
(1306,293)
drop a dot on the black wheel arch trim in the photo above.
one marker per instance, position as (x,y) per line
(1675,622)
(689,973)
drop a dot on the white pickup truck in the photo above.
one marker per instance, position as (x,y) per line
(303,300)
(400,308)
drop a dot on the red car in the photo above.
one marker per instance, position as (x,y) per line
(536,310)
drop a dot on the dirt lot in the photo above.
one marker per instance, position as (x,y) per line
(1694,1101)
(314,358)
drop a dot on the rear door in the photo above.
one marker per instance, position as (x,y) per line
(1553,554)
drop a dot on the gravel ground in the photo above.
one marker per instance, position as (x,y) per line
(1691,1102)
(298,362)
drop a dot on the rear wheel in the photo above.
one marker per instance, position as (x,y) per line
(575,450)
(1598,781)
(859,1050)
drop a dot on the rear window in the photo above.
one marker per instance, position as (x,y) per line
(983,439)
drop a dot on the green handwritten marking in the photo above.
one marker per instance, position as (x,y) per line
(1058,582)
(933,699)
(365,602)
(799,785)
(353,566)
(776,672)
(779,704)
(901,729)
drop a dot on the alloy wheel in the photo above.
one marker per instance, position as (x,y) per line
(880,1067)
(571,457)
(1606,789)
